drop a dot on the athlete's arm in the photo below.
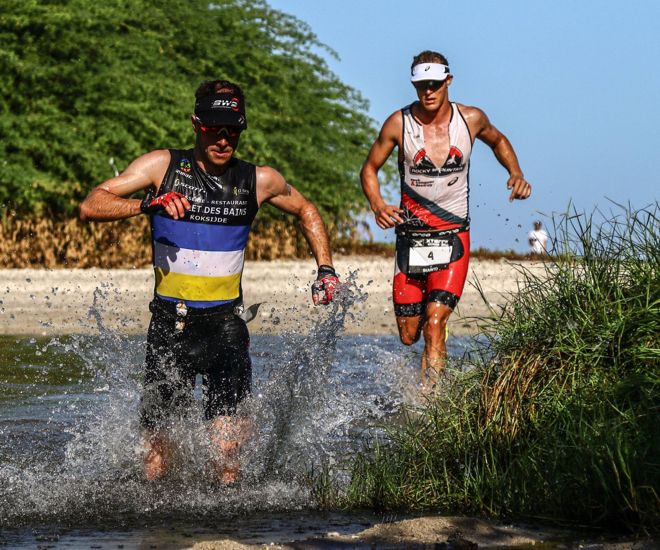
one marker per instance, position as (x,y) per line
(481,128)
(273,189)
(109,202)
(387,215)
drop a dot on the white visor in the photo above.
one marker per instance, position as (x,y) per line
(429,71)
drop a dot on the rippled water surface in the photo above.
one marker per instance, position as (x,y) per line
(70,459)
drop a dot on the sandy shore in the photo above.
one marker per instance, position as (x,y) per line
(43,302)
(435,532)
(456,532)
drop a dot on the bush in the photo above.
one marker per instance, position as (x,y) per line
(85,82)
(561,416)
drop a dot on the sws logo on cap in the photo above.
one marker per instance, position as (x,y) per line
(226,104)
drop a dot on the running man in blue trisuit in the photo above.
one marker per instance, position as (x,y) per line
(201,205)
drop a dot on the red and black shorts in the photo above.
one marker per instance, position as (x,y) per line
(412,291)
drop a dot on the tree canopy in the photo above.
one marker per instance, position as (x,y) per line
(85,81)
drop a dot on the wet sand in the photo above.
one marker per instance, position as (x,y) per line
(455,532)
(434,532)
(44,302)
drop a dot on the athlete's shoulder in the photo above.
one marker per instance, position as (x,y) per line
(393,125)
(159,155)
(153,161)
(270,183)
(473,115)
(267,174)
(475,118)
(397,116)
(470,112)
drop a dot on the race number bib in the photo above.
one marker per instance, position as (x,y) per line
(419,253)
(426,255)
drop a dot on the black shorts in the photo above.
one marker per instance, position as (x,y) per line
(215,346)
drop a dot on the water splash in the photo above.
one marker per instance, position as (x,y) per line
(314,395)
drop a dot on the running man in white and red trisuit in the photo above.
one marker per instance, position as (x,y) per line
(434,137)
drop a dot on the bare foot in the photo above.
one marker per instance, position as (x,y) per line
(226,477)
(228,434)
(157,455)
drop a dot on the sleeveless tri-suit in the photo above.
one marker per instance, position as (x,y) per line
(198,263)
(433,243)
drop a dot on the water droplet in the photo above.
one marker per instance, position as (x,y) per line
(32,296)
(2,311)
(28,280)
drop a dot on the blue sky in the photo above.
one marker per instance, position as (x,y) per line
(573,85)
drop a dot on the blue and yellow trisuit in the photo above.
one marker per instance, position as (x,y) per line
(198,262)
(198,259)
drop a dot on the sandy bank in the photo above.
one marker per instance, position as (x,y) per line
(42,301)
(436,532)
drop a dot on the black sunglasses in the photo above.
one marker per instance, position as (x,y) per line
(433,85)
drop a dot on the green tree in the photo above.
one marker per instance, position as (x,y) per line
(84,81)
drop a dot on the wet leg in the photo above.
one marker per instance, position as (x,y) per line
(435,349)
(228,434)
(158,453)
(410,329)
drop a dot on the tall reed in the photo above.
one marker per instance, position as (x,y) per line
(560,418)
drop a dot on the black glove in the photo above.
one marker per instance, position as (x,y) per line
(150,205)
(327,281)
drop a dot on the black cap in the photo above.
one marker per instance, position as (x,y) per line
(222,108)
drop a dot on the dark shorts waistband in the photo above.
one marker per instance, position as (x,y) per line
(170,309)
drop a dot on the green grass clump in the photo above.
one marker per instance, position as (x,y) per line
(561,416)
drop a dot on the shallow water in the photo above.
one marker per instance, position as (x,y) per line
(70,458)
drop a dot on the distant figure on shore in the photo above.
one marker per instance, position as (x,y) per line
(538,239)
(434,138)
(205,202)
